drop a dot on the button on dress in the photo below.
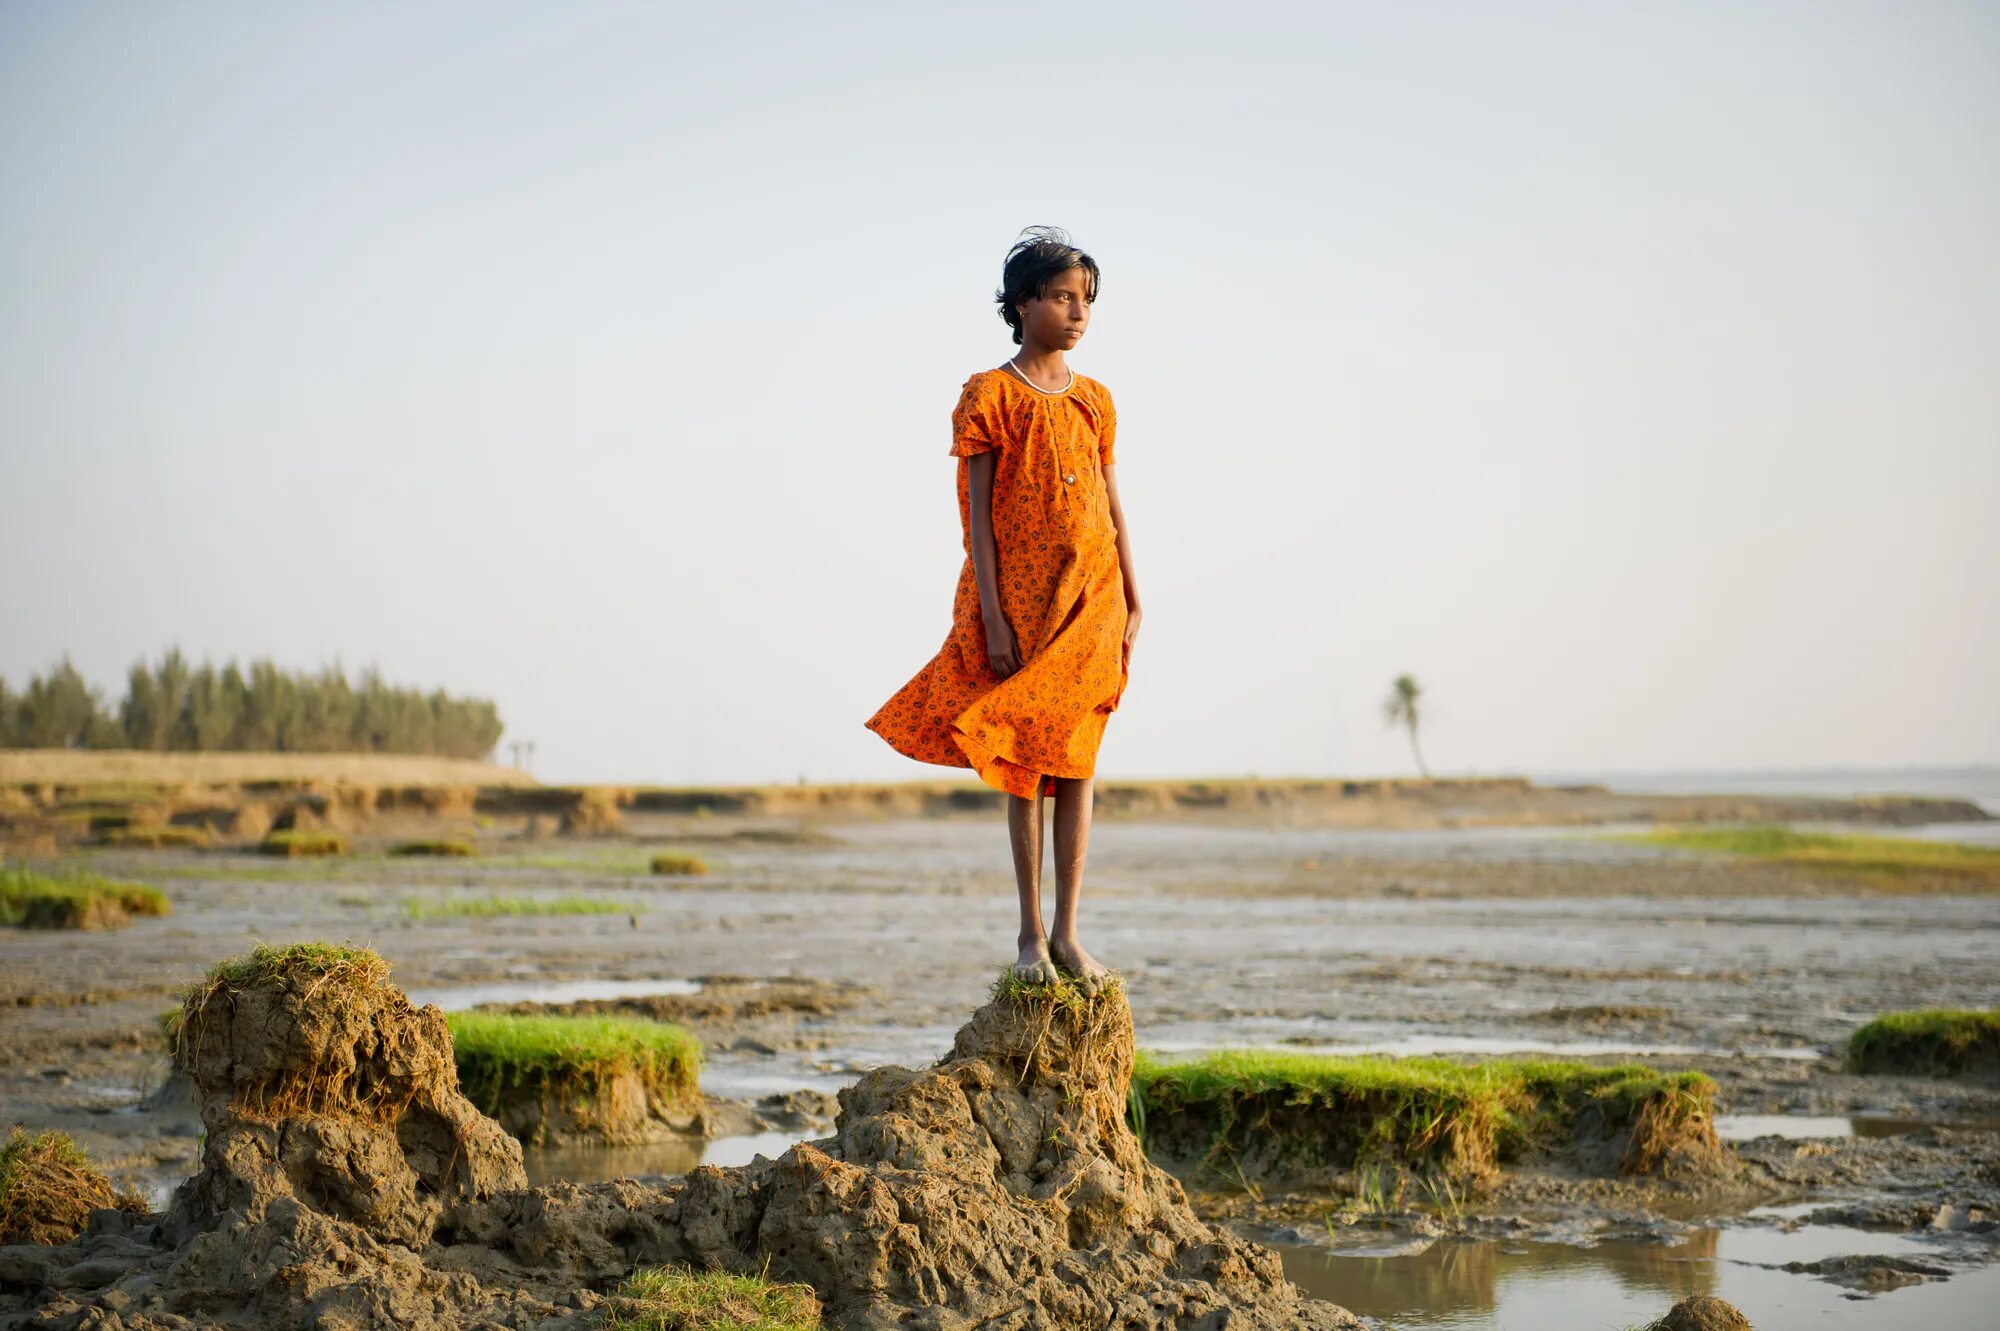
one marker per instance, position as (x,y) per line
(1061,589)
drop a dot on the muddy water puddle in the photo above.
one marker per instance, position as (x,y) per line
(1806,1127)
(1532,1285)
(591,1164)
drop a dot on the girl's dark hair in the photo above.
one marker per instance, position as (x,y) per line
(1040,254)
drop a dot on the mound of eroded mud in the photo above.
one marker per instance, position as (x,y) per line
(345,1183)
(317,1080)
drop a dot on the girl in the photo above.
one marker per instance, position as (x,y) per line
(1047,608)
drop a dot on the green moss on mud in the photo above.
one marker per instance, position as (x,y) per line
(1884,861)
(447,846)
(572,1057)
(296,841)
(1932,1042)
(76,900)
(1429,1116)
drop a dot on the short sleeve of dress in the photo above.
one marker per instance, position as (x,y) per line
(1107,429)
(975,423)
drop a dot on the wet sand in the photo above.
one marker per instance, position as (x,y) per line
(1230,933)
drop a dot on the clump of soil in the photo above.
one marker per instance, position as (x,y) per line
(1934,1042)
(293,842)
(76,900)
(48,1188)
(1702,1313)
(317,1080)
(551,1079)
(1238,1117)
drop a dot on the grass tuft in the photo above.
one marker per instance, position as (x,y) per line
(1932,1042)
(679,1299)
(678,862)
(77,900)
(297,841)
(48,1188)
(450,847)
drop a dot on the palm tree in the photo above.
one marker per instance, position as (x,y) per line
(1400,709)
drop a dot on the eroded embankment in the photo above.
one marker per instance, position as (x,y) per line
(48,804)
(345,1181)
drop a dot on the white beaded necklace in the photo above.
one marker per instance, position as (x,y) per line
(1037,387)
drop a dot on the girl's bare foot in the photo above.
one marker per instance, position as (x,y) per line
(1035,965)
(1090,973)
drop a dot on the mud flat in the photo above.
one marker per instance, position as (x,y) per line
(819,950)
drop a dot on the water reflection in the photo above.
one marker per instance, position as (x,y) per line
(1455,1283)
(1516,1286)
(591,1164)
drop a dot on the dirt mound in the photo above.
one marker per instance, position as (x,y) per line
(316,1079)
(1702,1313)
(346,1183)
(48,1189)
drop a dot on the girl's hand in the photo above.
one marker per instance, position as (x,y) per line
(1003,654)
(1131,630)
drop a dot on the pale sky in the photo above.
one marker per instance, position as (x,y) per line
(1630,374)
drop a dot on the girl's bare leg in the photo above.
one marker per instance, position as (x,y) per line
(1024,832)
(1073,801)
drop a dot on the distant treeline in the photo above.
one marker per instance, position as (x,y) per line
(176,706)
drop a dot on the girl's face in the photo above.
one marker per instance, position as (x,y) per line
(1058,317)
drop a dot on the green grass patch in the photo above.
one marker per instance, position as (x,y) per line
(450,847)
(1428,1116)
(679,862)
(154,837)
(495,906)
(1934,1042)
(678,1299)
(298,841)
(574,1059)
(1886,860)
(76,900)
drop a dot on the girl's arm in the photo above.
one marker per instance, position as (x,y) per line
(1124,558)
(1002,652)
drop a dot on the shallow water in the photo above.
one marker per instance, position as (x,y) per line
(1517,1286)
(461,997)
(589,1164)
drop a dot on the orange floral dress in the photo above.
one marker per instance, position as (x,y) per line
(1061,588)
